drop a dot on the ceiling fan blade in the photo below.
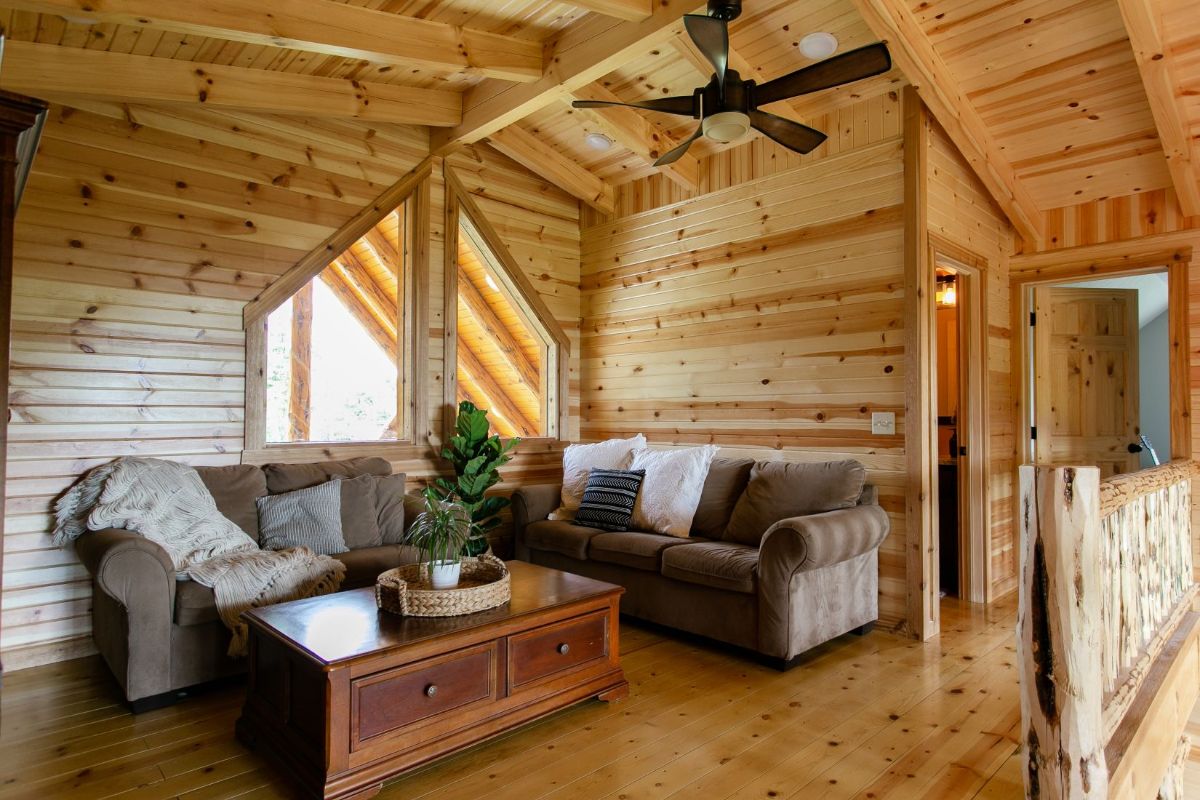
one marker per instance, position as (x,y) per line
(711,36)
(676,153)
(846,68)
(791,135)
(683,105)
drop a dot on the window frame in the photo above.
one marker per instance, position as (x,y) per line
(557,351)
(414,194)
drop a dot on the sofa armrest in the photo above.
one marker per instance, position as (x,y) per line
(820,540)
(131,622)
(532,504)
(126,566)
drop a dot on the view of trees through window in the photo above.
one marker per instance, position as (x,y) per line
(333,347)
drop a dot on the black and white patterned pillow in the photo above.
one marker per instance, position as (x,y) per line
(609,498)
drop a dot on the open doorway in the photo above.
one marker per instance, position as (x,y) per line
(1100,374)
(959,374)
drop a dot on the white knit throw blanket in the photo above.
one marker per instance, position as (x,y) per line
(167,503)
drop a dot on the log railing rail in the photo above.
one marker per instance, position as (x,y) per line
(1108,640)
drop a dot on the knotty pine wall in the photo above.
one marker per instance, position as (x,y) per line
(960,210)
(142,234)
(765,314)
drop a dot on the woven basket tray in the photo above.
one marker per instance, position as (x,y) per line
(406,590)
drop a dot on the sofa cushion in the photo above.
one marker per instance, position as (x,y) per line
(721,565)
(291,477)
(195,604)
(727,479)
(390,508)
(671,491)
(236,488)
(363,566)
(560,536)
(778,490)
(360,521)
(632,549)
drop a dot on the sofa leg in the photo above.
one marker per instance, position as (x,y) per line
(863,630)
(155,701)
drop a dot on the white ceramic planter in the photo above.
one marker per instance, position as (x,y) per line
(444,574)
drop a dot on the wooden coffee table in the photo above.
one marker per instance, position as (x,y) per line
(343,696)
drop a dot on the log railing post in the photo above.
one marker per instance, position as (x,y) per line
(1058,628)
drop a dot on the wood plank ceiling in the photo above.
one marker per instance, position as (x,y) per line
(1048,100)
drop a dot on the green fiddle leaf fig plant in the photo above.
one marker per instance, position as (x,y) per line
(476,458)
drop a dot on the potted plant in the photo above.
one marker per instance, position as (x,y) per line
(441,533)
(476,457)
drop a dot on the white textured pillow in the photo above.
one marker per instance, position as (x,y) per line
(580,459)
(671,490)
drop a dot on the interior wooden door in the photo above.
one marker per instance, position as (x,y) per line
(1086,377)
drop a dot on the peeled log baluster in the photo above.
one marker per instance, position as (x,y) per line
(1059,634)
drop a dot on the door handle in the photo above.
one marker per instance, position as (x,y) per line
(1135,448)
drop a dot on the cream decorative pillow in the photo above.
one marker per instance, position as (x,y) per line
(671,491)
(580,459)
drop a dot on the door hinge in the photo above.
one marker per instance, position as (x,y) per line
(1033,433)
(1032,318)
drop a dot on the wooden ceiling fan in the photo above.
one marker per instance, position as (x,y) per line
(728,106)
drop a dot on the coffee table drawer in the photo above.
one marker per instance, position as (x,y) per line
(418,693)
(542,652)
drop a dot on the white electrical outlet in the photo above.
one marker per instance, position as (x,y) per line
(883,423)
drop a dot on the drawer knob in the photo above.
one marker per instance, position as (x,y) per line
(431,690)
(564,648)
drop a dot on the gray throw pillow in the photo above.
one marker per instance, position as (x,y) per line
(309,518)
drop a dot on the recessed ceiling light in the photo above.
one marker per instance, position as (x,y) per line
(598,141)
(818,45)
(491,282)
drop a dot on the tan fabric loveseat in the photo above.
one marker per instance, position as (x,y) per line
(160,635)
(779,589)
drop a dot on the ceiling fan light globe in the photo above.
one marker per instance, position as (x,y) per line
(727,126)
(818,45)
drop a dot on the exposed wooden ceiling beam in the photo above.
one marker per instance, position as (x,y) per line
(894,23)
(583,53)
(344,290)
(632,10)
(468,362)
(46,69)
(485,317)
(1143,23)
(570,176)
(317,26)
(635,131)
(374,296)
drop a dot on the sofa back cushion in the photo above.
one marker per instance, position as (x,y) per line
(727,479)
(291,477)
(360,525)
(236,488)
(391,508)
(779,490)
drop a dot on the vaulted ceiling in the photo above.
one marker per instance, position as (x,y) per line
(1053,102)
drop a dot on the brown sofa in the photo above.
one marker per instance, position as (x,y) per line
(160,635)
(780,589)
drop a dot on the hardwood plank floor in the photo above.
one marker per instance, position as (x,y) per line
(871,717)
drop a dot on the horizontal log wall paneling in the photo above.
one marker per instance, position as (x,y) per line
(962,212)
(765,316)
(142,235)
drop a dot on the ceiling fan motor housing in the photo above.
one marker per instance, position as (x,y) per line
(727,10)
